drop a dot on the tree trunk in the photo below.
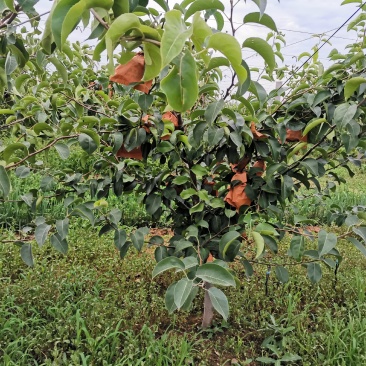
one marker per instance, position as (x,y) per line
(207,309)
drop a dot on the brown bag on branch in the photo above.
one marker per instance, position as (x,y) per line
(132,72)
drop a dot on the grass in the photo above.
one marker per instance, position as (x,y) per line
(90,308)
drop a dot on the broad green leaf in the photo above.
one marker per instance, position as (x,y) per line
(201,31)
(84,212)
(352,85)
(326,242)
(166,264)
(199,5)
(282,274)
(263,48)
(358,245)
(312,125)
(182,291)
(297,247)
(230,48)
(42,126)
(213,110)
(259,241)
(180,85)
(197,208)
(10,64)
(41,233)
(120,238)
(265,20)
(169,297)
(60,67)
(20,172)
(215,135)
(138,238)
(361,231)
(216,275)
(152,61)
(26,254)
(153,203)
(314,272)
(4,182)
(226,240)
(87,143)
(174,37)
(12,148)
(118,28)
(62,227)
(262,4)
(217,62)
(181,180)
(59,244)
(219,301)
(120,7)
(63,150)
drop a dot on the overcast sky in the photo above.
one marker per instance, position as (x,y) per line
(297,19)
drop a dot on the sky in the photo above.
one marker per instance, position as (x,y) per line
(298,20)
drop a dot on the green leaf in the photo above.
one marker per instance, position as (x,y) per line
(199,5)
(262,4)
(120,238)
(41,233)
(59,244)
(182,290)
(153,203)
(213,110)
(219,301)
(297,247)
(358,245)
(229,47)
(180,85)
(180,180)
(215,275)
(197,208)
(84,212)
(263,48)
(152,61)
(344,113)
(5,185)
(326,242)
(314,272)
(20,172)
(63,150)
(174,37)
(120,7)
(259,241)
(361,231)
(62,227)
(169,297)
(282,274)
(87,143)
(138,238)
(26,254)
(166,264)
(352,85)
(118,28)
(214,135)
(312,125)
(60,67)
(10,150)
(264,19)
(226,240)
(10,64)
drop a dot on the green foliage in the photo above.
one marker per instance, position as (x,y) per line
(229,165)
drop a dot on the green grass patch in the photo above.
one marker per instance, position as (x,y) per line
(91,308)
